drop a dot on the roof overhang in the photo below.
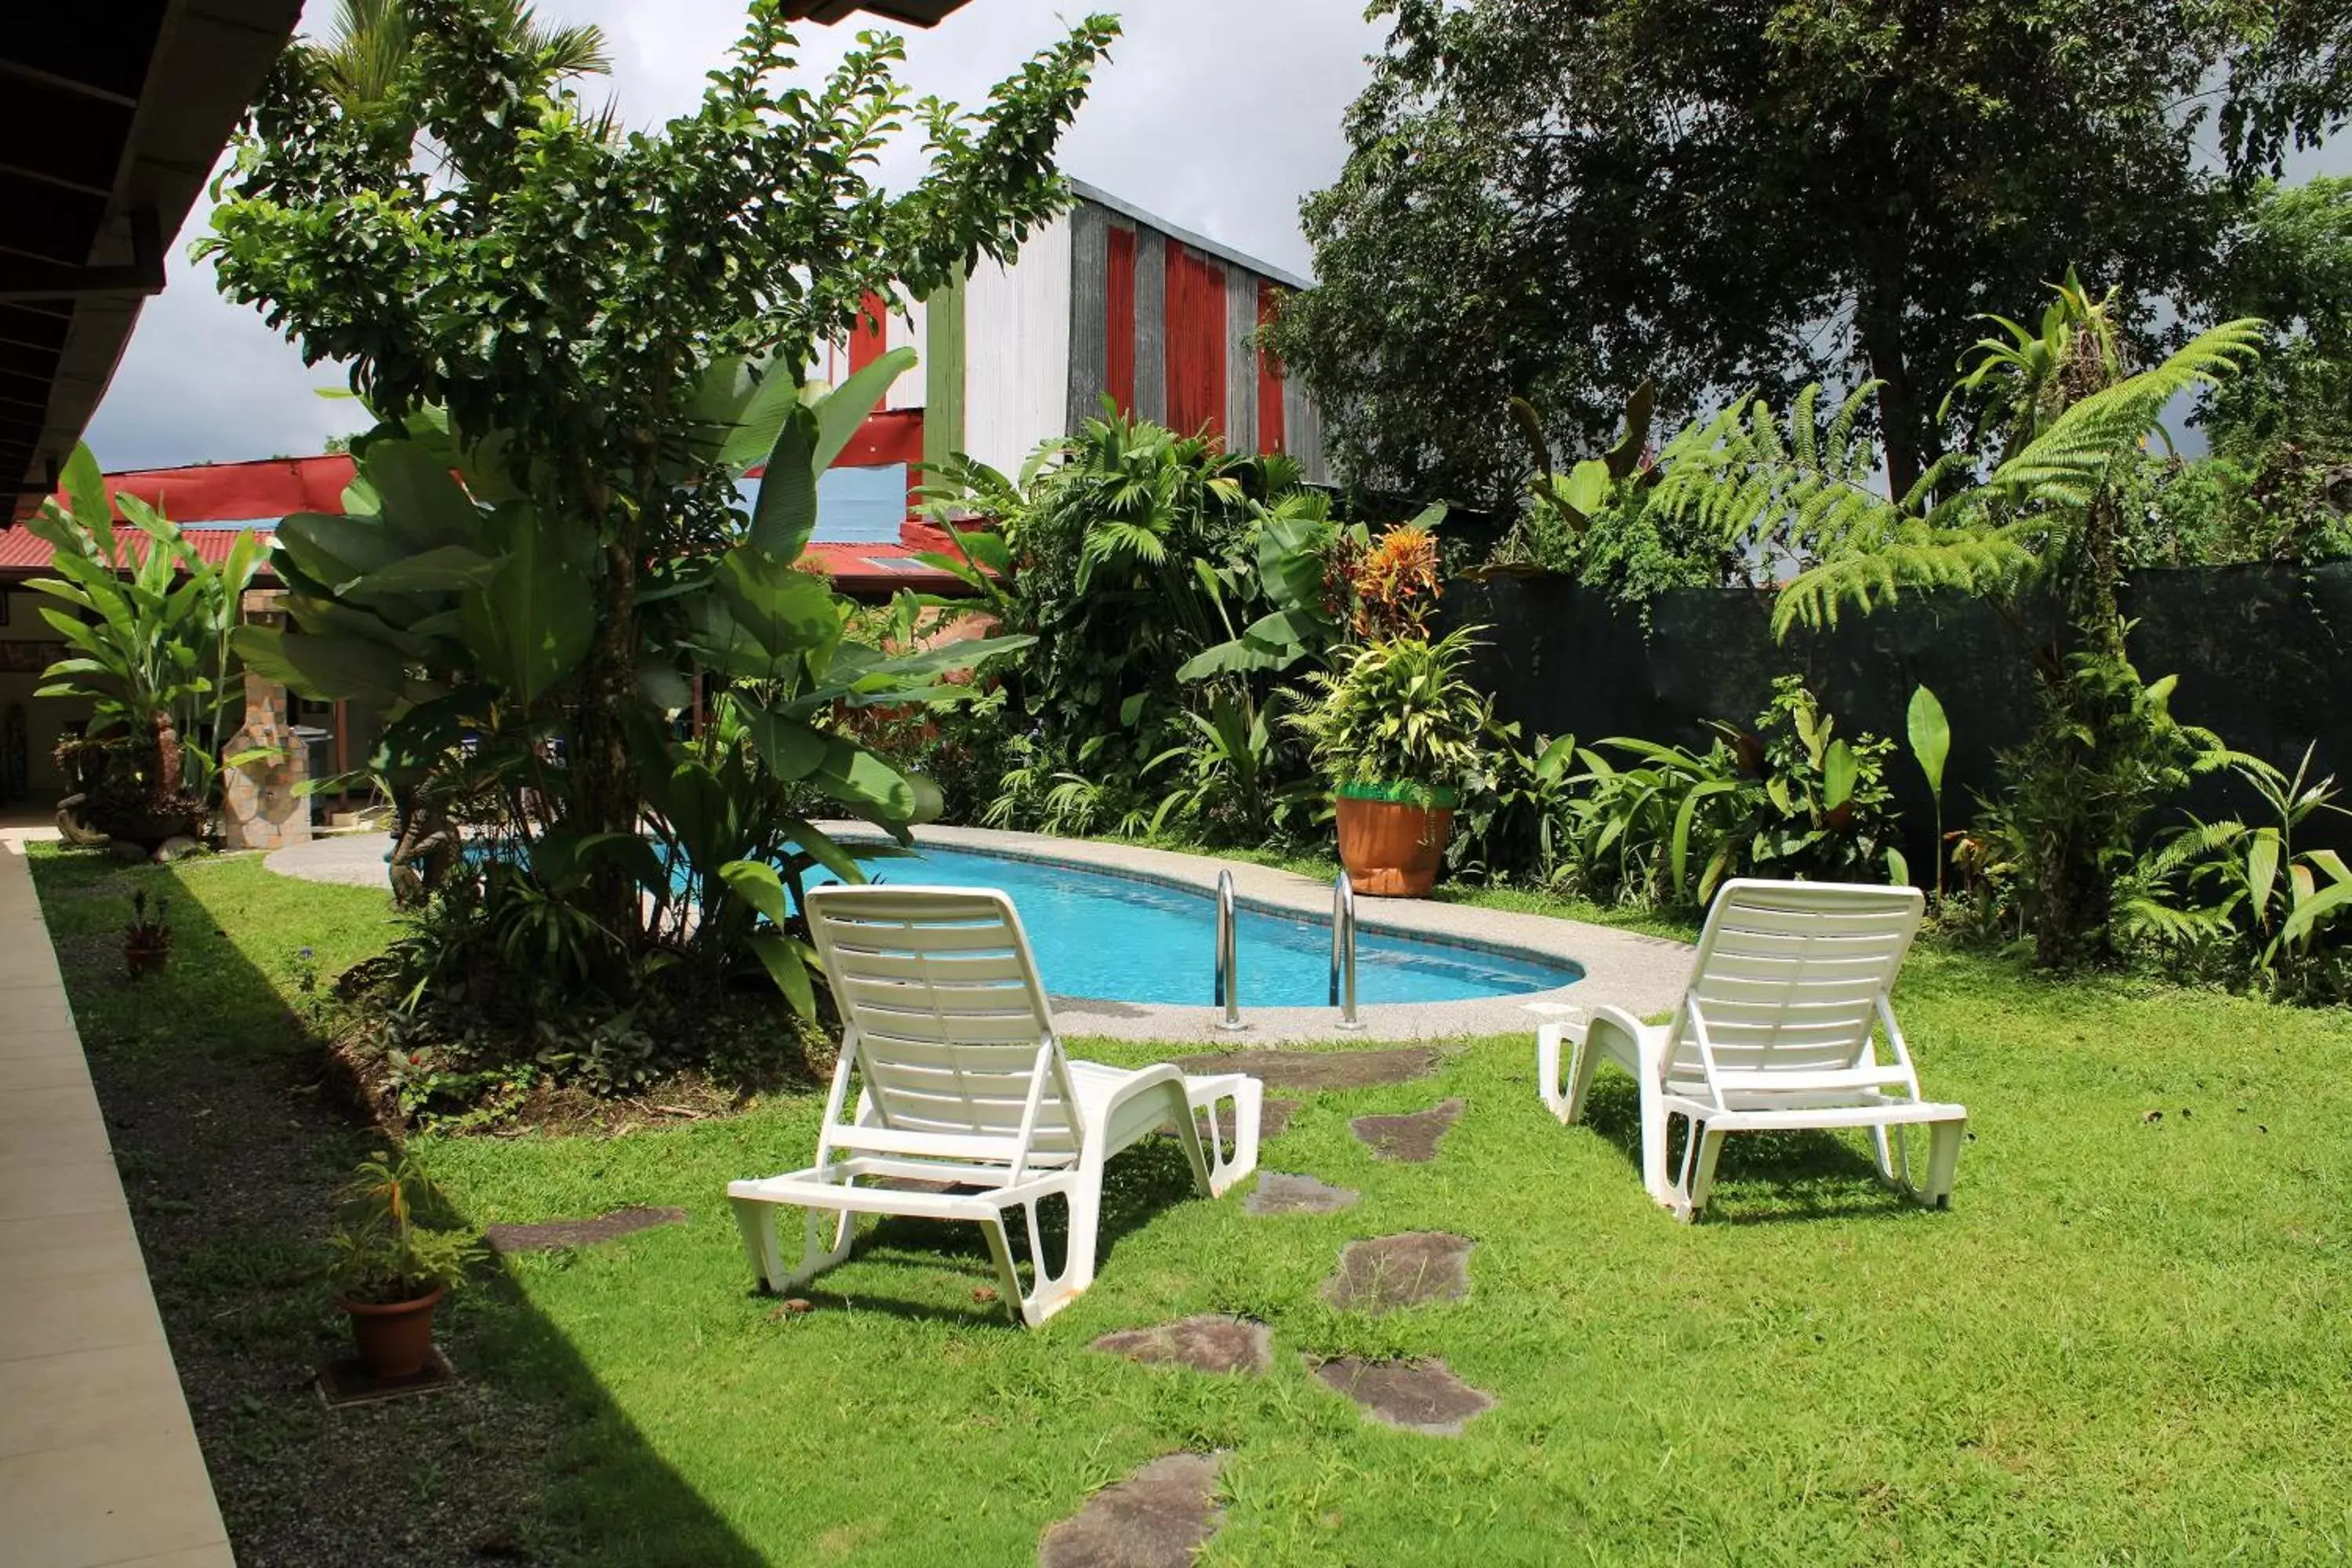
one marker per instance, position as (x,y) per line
(116,114)
(908,13)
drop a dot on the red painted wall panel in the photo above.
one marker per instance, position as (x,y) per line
(1269,375)
(1118,320)
(1196,342)
(869,339)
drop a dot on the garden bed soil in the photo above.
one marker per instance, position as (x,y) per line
(229,1175)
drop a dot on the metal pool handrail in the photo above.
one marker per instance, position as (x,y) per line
(1343,950)
(1228,953)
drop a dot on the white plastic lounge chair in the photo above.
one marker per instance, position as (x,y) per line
(962,1082)
(1774,1032)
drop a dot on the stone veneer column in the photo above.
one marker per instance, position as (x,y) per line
(259,807)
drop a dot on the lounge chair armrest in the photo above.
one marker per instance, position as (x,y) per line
(1638,1047)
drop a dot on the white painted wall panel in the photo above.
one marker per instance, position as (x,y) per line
(906,332)
(1017,350)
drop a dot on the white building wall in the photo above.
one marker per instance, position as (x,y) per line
(1017,350)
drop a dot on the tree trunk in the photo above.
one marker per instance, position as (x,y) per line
(1898,416)
(604,785)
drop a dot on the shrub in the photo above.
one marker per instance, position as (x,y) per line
(1398,713)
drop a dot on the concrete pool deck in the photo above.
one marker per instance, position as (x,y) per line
(1642,975)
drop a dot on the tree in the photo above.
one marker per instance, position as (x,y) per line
(373,42)
(2042,529)
(2289,80)
(1557,199)
(586,326)
(2290,262)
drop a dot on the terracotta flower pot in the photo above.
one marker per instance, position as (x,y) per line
(146,957)
(1393,848)
(393,1339)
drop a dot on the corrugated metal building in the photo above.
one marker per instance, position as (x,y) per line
(1106,300)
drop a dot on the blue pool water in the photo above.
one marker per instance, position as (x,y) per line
(1124,940)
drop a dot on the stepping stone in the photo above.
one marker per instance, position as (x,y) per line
(1412,1139)
(1211,1342)
(1416,1396)
(1278,1194)
(1319,1069)
(1387,1272)
(1157,1517)
(556,1233)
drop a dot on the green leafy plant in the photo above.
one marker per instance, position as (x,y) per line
(394,1240)
(1229,780)
(1930,734)
(2055,843)
(2277,905)
(1398,717)
(1513,822)
(449,604)
(1165,582)
(148,626)
(1665,826)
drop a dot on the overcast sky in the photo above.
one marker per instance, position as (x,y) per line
(1217,115)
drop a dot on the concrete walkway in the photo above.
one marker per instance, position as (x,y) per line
(98,1462)
(1642,975)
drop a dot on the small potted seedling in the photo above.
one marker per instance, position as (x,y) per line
(392,1262)
(147,944)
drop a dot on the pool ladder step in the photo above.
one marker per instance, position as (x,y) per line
(1343,951)
(1227,994)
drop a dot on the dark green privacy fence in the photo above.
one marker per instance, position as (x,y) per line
(2264,654)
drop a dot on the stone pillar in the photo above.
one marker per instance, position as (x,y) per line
(259,807)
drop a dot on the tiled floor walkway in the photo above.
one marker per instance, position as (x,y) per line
(98,1464)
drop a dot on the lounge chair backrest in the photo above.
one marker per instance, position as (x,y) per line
(945,1014)
(1789,974)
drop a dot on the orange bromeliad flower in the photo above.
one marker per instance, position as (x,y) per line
(1396,583)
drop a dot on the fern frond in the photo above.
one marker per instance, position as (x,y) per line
(1914,556)
(2069,463)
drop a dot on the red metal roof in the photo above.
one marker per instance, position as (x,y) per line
(885,568)
(23,554)
(260,491)
(259,494)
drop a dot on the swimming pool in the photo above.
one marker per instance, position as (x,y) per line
(1099,935)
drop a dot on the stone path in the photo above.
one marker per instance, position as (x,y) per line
(1387,1272)
(559,1232)
(1412,1139)
(1211,1342)
(1319,1069)
(1277,1194)
(1157,1517)
(1416,1396)
(98,1461)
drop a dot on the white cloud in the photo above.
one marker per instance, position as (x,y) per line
(1217,115)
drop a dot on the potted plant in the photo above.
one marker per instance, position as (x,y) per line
(392,1262)
(147,944)
(1396,730)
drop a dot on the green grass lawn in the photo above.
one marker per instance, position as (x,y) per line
(2123,1343)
